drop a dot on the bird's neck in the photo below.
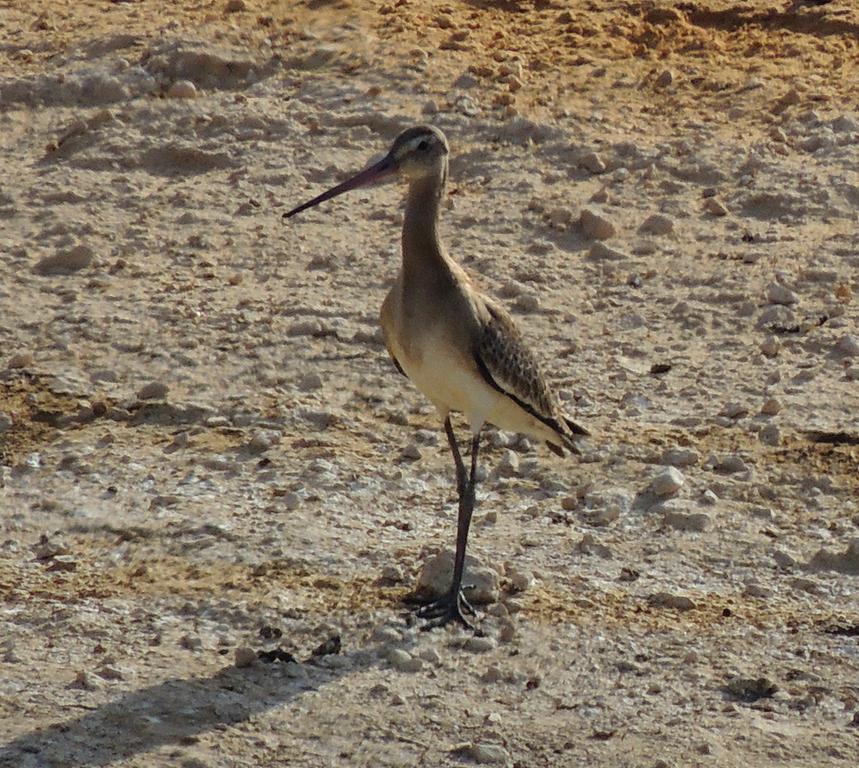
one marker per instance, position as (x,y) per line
(424,256)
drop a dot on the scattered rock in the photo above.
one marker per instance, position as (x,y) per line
(588,545)
(6,422)
(665,78)
(596,225)
(847,346)
(182,89)
(20,360)
(403,661)
(65,262)
(843,562)
(411,452)
(730,465)
(680,457)
(483,754)
(437,572)
(770,346)
(715,207)
(520,581)
(245,657)
(478,644)
(667,482)
(509,464)
(667,600)
(235,6)
(85,681)
(778,294)
(749,689)
(592,162)
(770,435)
(599,251)
(657,224)
(603,507)
(154,390)
(680,520)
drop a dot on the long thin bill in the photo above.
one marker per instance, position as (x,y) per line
(380,170)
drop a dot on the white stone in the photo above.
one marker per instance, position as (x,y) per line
(403,661)
(182,89)
(437,572)
(770,346)
(667,482)
(778,294)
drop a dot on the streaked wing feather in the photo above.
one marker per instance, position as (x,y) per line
(510,367)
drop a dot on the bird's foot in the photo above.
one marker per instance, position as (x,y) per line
(452,606)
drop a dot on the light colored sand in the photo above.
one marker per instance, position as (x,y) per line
(142,242)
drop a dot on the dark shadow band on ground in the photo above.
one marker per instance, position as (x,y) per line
(171,712)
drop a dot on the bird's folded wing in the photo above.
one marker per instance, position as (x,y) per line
(510,367)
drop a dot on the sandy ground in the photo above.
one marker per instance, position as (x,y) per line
(205,452)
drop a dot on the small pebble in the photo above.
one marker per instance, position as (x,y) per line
(310,381)
(778,294)
(66,262)
(657,224)
(528,302)
(696,522)
(771,406)
(430,656)
(509,464)
(6,422)
(592,162)
(709,498)
(667,482)
(770,346)
(770,435)
(245,657)
(730,465)
(86,681)
(437,572)
(484,754)
(477,644)
(665,78)
(20,360)
(601,252)
(154,390)
(596,225)
(848,345)
(667,600)
(680,457)
(403,661)
(411,453)
(235,6)
(182,89)
(714,206)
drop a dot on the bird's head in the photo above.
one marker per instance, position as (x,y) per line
(417,153)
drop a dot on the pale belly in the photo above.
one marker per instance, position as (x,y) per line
(453,383)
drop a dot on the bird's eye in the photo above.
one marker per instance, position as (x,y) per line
(423,145)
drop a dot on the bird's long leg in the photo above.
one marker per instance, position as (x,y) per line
(453,604)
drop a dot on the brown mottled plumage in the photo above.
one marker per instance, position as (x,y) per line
(511,368)
(459,347)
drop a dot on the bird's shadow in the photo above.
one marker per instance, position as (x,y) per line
(174,712)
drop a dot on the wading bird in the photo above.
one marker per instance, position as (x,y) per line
(459,347)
